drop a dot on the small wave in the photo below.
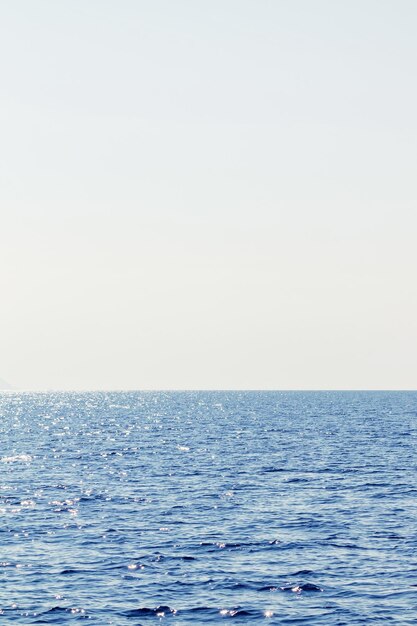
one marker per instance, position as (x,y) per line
(165,611)
(159,611)
(22,458)
(300,588)
(237,612)
(62,609)
(230,545)
(56,609)
(203,609)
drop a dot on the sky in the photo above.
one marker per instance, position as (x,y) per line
(211,194)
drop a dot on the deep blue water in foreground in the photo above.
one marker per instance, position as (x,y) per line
(208,508)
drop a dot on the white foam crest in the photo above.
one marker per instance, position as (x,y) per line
(22,458)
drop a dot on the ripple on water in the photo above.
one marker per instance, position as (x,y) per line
(200,507)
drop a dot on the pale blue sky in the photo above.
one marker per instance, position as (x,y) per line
(208,194)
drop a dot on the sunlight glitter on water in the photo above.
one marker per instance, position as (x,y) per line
(22,458)
(303,502)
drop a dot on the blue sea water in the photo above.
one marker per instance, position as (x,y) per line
(208,508)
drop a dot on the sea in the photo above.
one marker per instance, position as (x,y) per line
(217,507)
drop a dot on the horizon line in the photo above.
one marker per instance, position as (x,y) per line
(195,389)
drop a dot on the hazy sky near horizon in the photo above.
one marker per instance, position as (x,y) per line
(208,194)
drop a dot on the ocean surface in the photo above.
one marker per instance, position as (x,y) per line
(188,508)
